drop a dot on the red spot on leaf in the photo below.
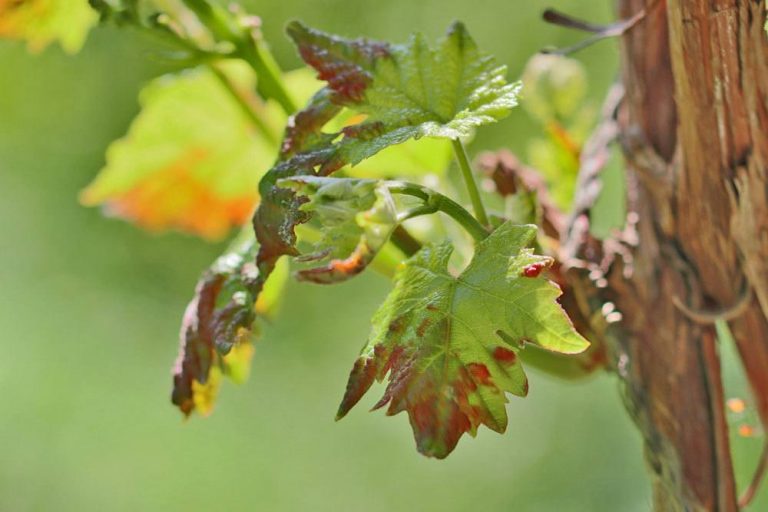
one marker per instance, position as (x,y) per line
(534,269)
(480,373)
(504,356)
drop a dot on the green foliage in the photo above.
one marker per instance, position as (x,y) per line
(411,159)
(555,97)
(42,22)
(404,92)
(191,149)
(447,340)
(450,343)
(355,219)
(407,91)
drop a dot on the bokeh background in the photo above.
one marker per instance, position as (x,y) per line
(90,310)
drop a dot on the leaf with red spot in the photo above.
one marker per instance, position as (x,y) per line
(216,333)
(528,264)
(449,344)
(355,218)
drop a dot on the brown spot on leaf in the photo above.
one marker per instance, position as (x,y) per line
(423,326)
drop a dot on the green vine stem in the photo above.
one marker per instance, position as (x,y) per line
(270,82)
(469,181)
(405,242)
(434,202)
(248,48)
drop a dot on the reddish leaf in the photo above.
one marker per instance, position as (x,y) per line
(449,344)
(347,65)
(216,330)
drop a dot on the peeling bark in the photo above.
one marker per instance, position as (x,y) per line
(693,124)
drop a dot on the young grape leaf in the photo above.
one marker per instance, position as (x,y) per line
(407,91)
(192,159)
(305,147)
(411,159)
(41,22)
(217,328)
(450,344)
(356,218)
(403,91)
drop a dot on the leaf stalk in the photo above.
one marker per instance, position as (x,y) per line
(434,202)
(469,181)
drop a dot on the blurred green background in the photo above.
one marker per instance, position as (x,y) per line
(90,310)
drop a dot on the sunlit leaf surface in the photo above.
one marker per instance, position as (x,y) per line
(42,22)
(192,158)
(449,344)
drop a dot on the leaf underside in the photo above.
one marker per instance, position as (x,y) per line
(356,218)
(449,345)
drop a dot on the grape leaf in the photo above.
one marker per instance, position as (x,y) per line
(356,218)
(305,147)
(411,159)
(216,333)
(407,91)
(404,92)
(192,159)
(41,22)
(450,344)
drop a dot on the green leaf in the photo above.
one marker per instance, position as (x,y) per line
(193,158)
(555,89)
(407,91)
(216,333)
(41,22)
(413,158)
(305,147)
(450,344)
(355,218)
(403,91)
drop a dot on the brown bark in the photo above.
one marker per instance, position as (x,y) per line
(693,123)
